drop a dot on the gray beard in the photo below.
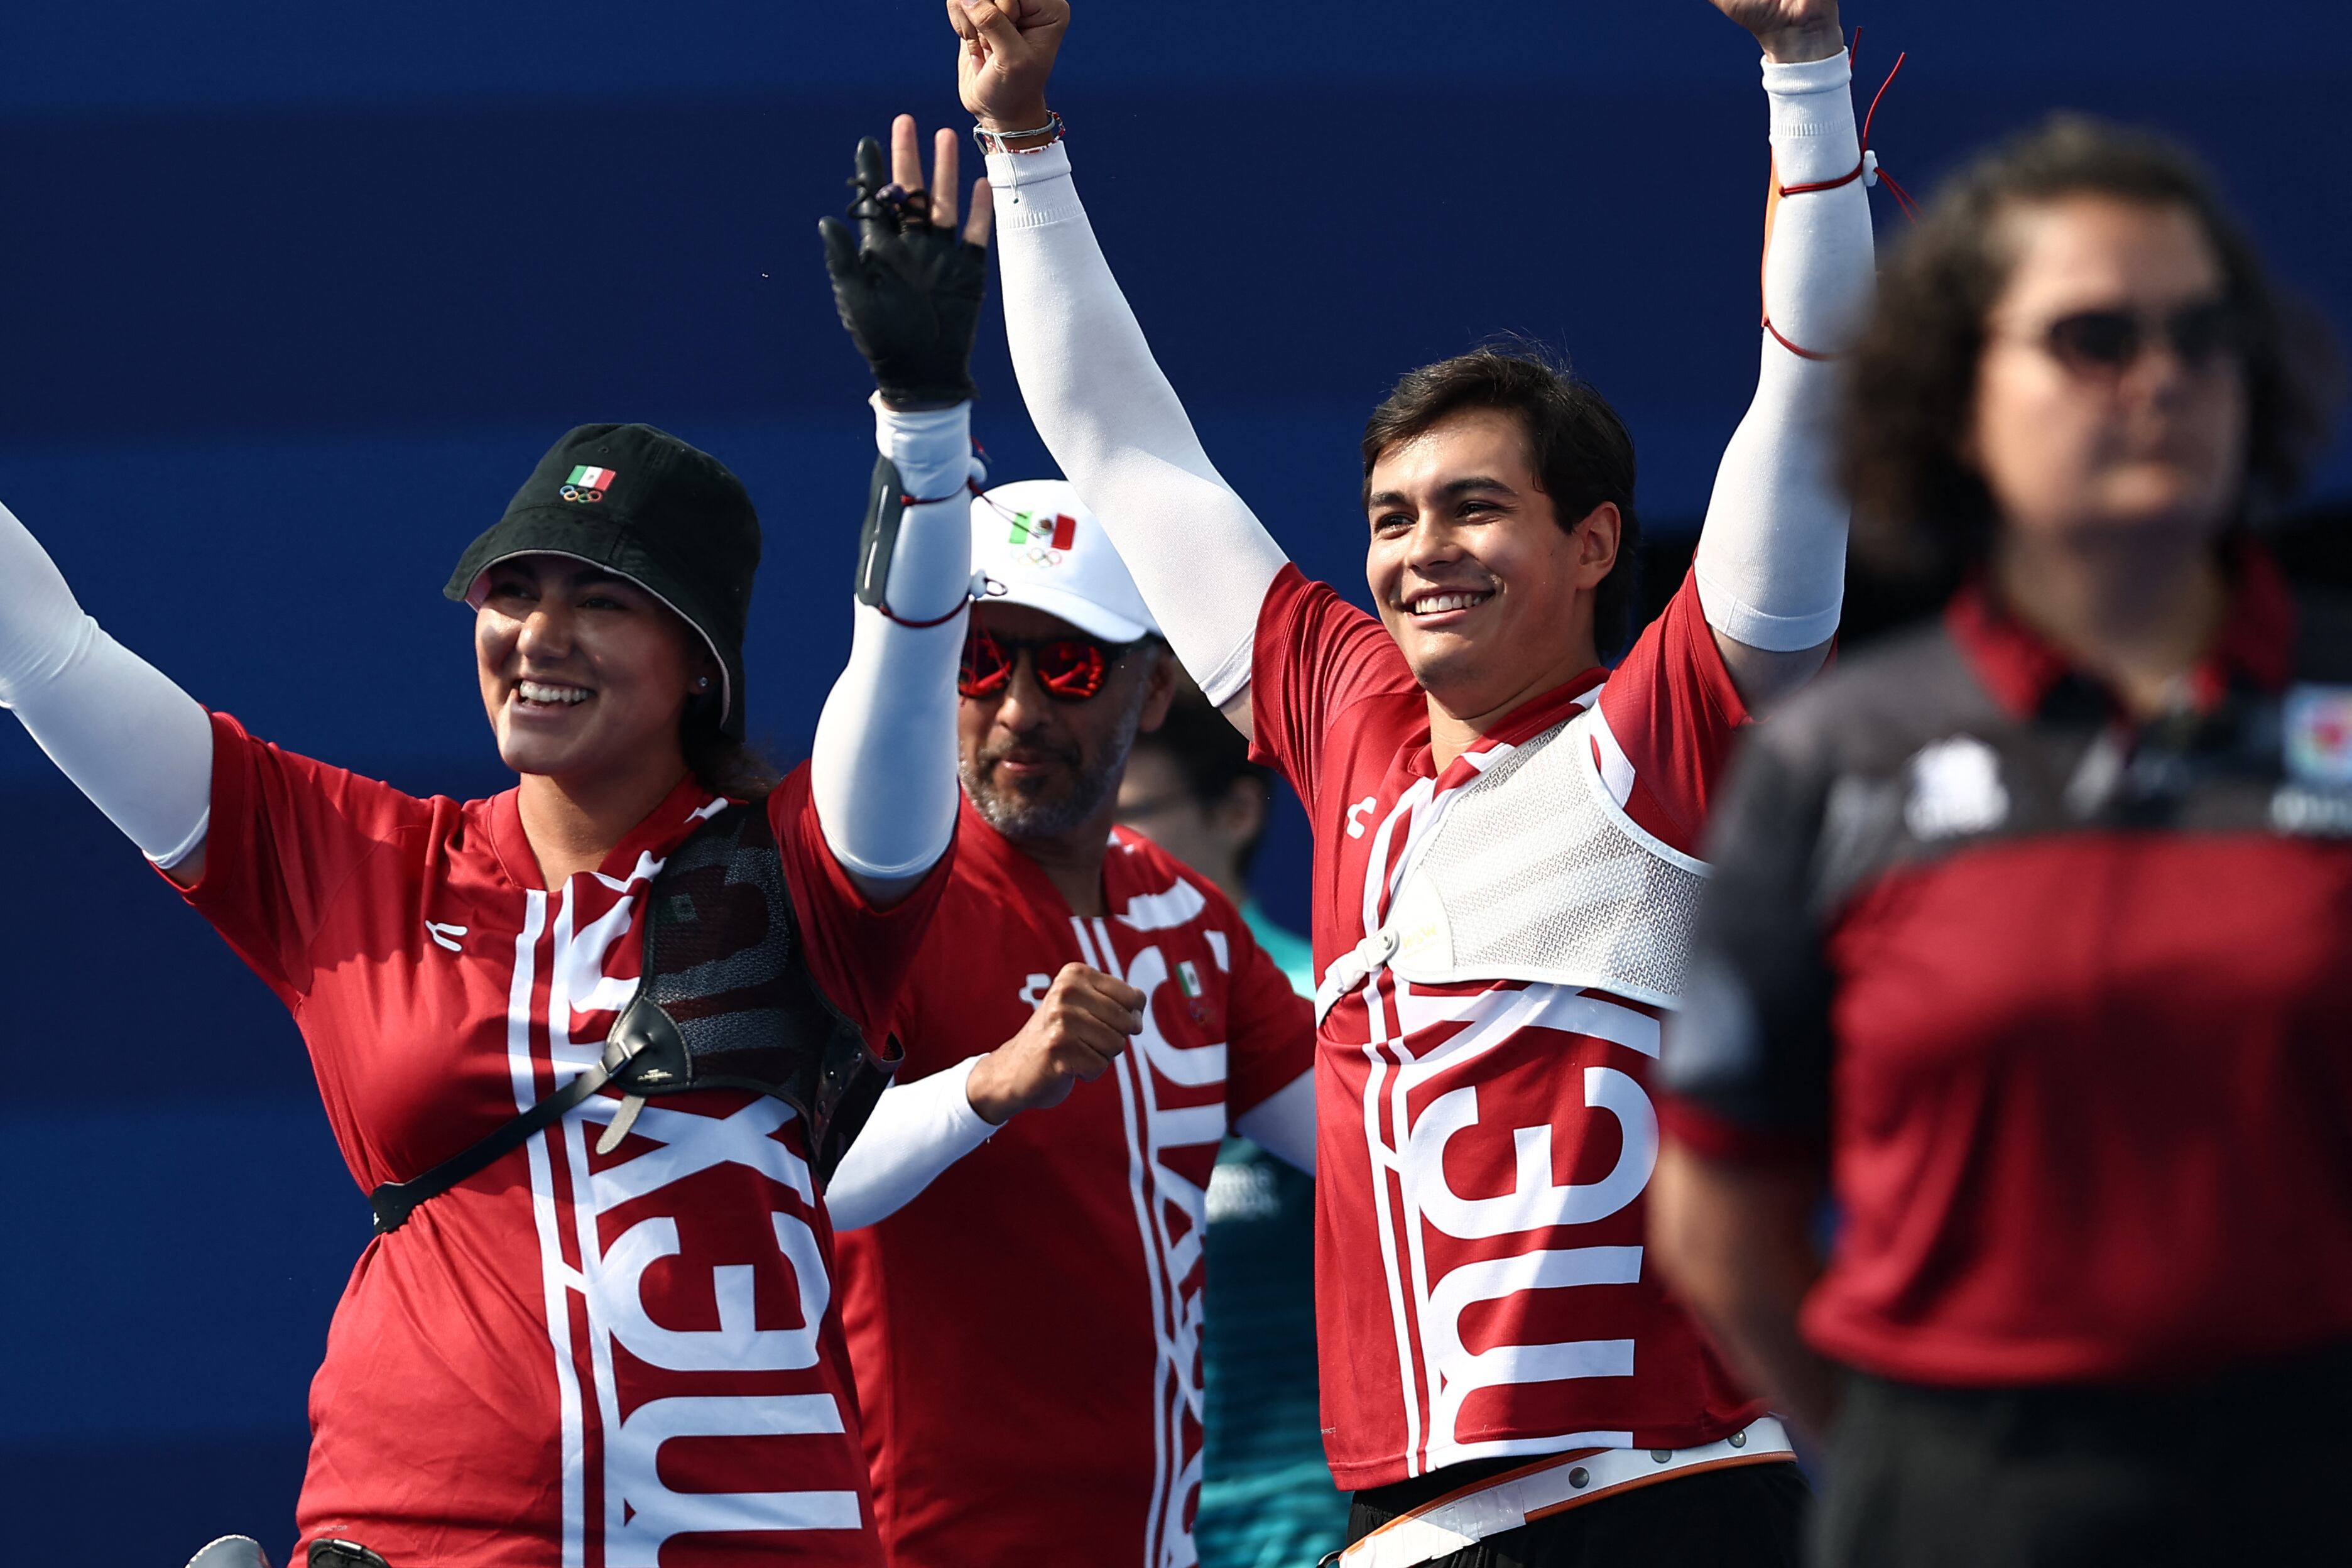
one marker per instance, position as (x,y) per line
(1019,819)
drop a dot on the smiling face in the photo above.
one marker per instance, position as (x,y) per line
(1489,598)
(1038,768)
(585,674)
(2091,456)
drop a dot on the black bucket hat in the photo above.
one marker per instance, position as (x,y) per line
(643,505)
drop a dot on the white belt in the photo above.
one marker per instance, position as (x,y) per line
(1557,1482)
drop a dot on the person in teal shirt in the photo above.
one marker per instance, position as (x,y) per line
(1267,1500)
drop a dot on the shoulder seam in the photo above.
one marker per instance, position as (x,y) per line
(327,905)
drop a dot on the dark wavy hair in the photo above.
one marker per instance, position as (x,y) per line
(719,762)
(1921,509)
(1583,455)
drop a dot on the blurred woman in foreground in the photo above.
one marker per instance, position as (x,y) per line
(2031,933)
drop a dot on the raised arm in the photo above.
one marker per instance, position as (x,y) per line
(136,744)
(1771,559)
(1096,394)
(883,769)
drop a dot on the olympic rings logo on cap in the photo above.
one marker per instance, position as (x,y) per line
(1038,555)
(587,483)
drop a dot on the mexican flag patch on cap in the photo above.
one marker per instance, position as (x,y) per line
(588,483)
(1056,532)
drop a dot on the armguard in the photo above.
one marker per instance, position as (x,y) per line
(878,545)
(885,508)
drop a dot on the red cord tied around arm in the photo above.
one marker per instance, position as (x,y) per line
(970,487)
(979,584)
(1867,171)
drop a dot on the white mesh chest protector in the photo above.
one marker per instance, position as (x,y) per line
(1534,872)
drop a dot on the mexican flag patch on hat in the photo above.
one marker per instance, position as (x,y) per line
(1046,531)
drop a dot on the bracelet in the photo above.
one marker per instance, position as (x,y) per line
(994,141)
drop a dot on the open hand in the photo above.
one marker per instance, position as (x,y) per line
(1008,53)
(908,288)
(1789,30)
(1077,1032)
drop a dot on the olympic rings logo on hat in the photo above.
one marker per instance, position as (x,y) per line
(587,483)
(1039,555)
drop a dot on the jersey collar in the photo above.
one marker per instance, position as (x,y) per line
(663,829)
(1529,719)
(2025,672)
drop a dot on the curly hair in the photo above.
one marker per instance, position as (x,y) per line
(1583,453)
(1920,508)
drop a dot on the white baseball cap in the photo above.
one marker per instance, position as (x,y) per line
(1037,539)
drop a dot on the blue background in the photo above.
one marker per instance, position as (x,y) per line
(292,296)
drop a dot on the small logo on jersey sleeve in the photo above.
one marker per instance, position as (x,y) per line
(1956,788)
(446,935)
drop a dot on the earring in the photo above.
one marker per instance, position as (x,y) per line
(703,684)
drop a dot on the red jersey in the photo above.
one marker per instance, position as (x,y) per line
(2061,990)
(1027,1330)
(1460,1127)
(570,1358)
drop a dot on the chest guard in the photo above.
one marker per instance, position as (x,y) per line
(1532,871)
(725,1001)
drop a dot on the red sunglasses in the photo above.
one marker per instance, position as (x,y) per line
(1071,668)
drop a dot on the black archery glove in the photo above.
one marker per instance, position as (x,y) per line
(908,291)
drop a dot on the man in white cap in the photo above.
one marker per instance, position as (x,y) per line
(1023,1305)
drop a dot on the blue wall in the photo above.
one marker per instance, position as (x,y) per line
(291,296)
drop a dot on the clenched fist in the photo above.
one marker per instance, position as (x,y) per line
(1077,1032)
(1791,31)
(1008,52)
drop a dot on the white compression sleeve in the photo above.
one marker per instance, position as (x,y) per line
(916,1130)
(1771,560)
(137,745)
(1283,1124)
(1114,425)
(883,769)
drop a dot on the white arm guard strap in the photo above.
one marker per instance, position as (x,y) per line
(916,1130)
(883,770)
(138,746)
(1772,562)
(1283,1123)
(1114,425)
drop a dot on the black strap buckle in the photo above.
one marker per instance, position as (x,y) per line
(328,1552)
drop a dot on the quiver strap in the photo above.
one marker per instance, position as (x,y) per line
(725,1001)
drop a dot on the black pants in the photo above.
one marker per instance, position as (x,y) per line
(2253,1468)
(1747,1516)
